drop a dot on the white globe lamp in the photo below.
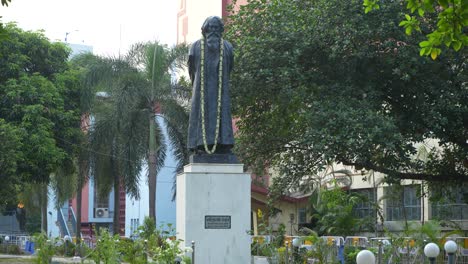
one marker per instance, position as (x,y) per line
(431,251)
(296,242)
(451,247)
(365,257)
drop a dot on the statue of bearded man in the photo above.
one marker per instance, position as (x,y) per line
(210,64)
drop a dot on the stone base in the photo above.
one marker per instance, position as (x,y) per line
(213,210)
(214,158)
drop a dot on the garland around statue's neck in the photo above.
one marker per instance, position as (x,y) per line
(202,94)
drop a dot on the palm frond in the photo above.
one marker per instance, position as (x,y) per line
(63,182)
(178,57)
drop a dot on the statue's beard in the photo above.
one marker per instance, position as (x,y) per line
(212,41)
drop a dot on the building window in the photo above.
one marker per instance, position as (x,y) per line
(134,223)
(302,216)
(366,207)
(403,203)
(101,200)
(450,208)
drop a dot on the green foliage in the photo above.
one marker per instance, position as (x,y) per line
(38,107)
(270,243)
(45,248)
(413,238)
(318,82)
(3,32)
(10,249)
(137,87)
(148,229)
(10,156)
(159,244)
(334,211)
(449,28)
(66,249)
(133,251)
(106,248)
(169,248)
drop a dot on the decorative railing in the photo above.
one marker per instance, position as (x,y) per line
(73,220)
(62,223)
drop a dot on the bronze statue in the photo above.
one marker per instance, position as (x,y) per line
(210,64)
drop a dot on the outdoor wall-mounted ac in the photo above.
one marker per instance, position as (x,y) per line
(101,212)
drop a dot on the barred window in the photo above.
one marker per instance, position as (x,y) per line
(365,208)
(302,216)
(402,202)
(450,208)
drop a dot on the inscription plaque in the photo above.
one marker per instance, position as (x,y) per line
(217,222)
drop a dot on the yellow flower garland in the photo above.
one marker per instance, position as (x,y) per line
(202,95)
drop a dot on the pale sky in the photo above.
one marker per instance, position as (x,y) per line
(107,25)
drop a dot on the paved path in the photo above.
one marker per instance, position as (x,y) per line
(22,259)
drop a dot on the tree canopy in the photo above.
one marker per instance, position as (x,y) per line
(38,112)
(317,82)
(448,29)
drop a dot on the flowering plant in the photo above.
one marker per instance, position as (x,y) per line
(269,243)
(169,248)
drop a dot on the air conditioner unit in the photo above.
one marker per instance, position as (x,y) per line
(101,212)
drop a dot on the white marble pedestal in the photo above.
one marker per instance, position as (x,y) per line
(213,209)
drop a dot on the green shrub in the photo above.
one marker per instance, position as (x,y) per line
(133,252)
(10,249)
(66,249)
(106,248)
(45,248)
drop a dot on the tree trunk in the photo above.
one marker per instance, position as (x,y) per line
(116,203)
(78,214)
(44,200)
(152,168)
(83,171)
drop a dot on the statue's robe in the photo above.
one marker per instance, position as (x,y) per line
(211,61)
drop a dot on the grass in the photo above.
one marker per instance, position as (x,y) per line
(15,260)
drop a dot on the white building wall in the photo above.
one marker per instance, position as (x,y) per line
(52,227)
(137,210)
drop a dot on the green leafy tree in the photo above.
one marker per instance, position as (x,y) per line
(10,156)
(3,32)
(449,28)
(37,90)
(318,82)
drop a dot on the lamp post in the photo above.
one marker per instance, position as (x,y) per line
(291,221)
(67,240)
(296,243)
(365,257)
(451,247)
(68,33)
(379,254)
(431,251)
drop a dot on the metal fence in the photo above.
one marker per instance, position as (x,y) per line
(15,239)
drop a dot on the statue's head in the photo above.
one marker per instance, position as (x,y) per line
(212,24)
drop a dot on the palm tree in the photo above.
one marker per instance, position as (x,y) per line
(114,136)
(125,134)
(158,98)
(88,66)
